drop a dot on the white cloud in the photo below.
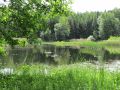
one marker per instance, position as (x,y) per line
(94,5)
(4,3)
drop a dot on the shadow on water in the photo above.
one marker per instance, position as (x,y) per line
(54,55)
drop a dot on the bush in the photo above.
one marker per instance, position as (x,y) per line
(36,41)
(22,42)
(2,50)
(2,41)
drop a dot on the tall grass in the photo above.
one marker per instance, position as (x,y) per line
(69,77)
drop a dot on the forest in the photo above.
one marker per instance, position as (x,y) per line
(101,25)
(55,22)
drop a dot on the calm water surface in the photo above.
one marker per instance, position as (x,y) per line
(54,55)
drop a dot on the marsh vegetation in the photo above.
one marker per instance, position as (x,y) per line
(44,45)
(50,67)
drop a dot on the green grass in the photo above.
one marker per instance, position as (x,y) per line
(112,41)
(72,43)
(113,50)
(67,77)
(114,38)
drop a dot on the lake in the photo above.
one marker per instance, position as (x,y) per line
(56,55)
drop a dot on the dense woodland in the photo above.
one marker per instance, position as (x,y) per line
(101,25)
(54,20)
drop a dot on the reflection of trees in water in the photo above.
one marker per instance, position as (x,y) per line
(115,56)
(29,56)
(44,58)
(19,55)
(57,55)
(102,56)
(77,56)
(106,55)
(63,55)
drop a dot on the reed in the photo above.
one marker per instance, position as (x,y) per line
(65,77)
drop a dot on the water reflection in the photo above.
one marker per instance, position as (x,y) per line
(53,55)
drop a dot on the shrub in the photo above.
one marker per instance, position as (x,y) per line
(2,50)
(22,42)
(37,41)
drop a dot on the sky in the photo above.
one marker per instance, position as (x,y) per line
(91,5)
(94,5)
(2,2)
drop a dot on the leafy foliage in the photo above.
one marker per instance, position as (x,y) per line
(108,25)
(25,18)
(52,20)
(62,29)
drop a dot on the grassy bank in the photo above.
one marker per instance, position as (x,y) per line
(69,77)
(72,43)
(85,43)
(112,41)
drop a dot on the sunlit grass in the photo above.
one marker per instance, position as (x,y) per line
(65,77)
(112,41)
(73,43)
(113,50)
(114,38)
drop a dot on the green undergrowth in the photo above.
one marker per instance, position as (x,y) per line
(66,77)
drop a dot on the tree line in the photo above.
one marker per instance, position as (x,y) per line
(101,25)
(53,20)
